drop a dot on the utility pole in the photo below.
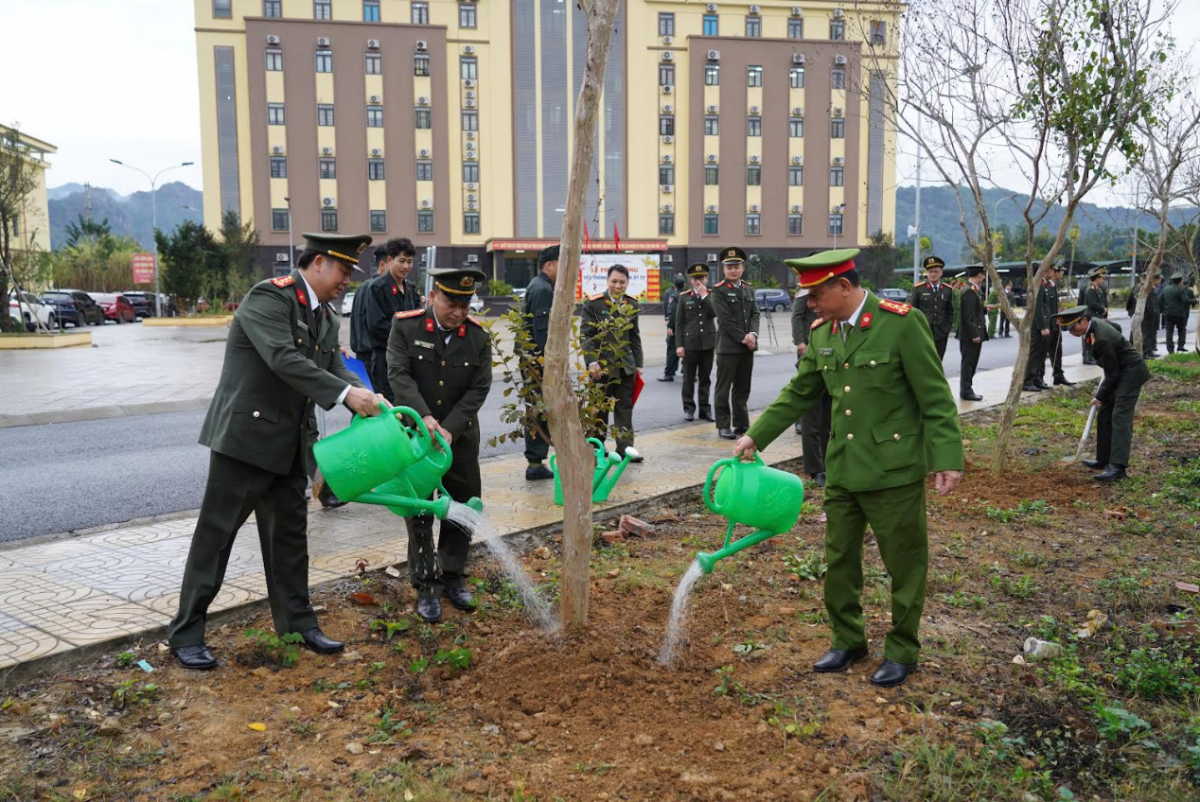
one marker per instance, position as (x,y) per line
(917,216)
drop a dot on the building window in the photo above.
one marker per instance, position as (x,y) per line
(375,170)
(710,225)
(275,114)
(378,222)
(666,24)
(837,128)
(712,74)
(279,219)
(420,65)
(796,175)
(796,77)
(424,119)
(471,223)
(666,74)
(278,167)
(837,79)
(471,172)
(837,30)
(753,27)
(468,68)
(666,225)
(712,126)
(878,32)
(325,114)
(328,168)
(795,29)
(374,116)
(324,61)
(754,126)
(835,224)
(370,10)
(470,121)
(666,125)
(466,15)
(425,222)
(223,9)
(424,170)
(754,76)
(712,175)
(420,14)
(666,175)
(837,176)
(273,8)
(329,220)
(796,127)
(795,225)
(753,175)
(711,28)
(322,9)
(753,224)
(274,61)
(374,63)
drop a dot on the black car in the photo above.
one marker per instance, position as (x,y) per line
(74,307)
(772,300)
(142,302)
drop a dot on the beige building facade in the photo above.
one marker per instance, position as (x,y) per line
(31,230)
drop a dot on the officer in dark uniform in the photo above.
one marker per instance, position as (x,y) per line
(670,304)
(737,340)
(936,300)
(1124,374)
(1176,306)
(696,337)
(972,332)
(281,357)
(539,297)
(1039,340)
(1095,298)
(1150,317)
(813,428)
(1055,345)
(614,357)
(388,294)
(360,337)
(440,364)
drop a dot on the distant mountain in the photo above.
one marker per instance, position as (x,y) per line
(130,215)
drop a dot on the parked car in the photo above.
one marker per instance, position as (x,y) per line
(142,302)
(29,310)
(893,294)
(476,304)
(772,300)
(75,307)
(520,293)
(115,307)
(348,303)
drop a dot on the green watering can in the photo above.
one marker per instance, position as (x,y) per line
(604,478)
(753,494)
(411,492)
(371,451)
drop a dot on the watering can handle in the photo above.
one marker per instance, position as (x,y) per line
(710,500)
(426,440)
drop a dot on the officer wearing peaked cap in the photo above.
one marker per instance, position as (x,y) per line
(695,338)
(1095,298)
(935,299)
(972,332)
(1176,305)
(535,309)
(440,364)
(281,357)
(737,340)
(893,420)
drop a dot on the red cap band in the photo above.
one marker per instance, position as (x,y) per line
(814,276)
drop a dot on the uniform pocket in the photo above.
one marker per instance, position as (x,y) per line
(897,447)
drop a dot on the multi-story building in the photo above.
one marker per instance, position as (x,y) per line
(31,227)
(451,123)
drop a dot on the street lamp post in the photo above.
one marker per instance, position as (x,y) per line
(154,219)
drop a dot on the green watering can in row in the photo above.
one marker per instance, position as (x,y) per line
(609,467)
(753,494)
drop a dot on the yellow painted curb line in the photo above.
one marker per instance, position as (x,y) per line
(27,341)
(211,322)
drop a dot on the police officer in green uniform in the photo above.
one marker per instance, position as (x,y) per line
(670,305)
(1055,344)
(1095,298)
(539,297)
(894,419)
(737,340)
(1175,308)
(281,357)
(972,332)
(936,300)
(440,364)
(388,294)
(813,428)
(695,338)
(1150,317)
(1039,341)
(1124,374)
(614,357)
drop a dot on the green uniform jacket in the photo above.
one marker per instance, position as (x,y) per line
(274,371)
(449,381)
(695,322)
(737,316)
(894,417)
(974,318)
(539,297)
(622,350)
(1174,300)
(1047,305)
(1116,356)
(802,319)
(1096,300)
(936,304)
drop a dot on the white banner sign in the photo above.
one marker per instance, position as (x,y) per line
(643,274)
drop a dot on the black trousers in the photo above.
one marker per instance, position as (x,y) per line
(234,490)
(697,363)
(619,388)
(814,434)
(1052,350)
(970,362)
(672,358)
(734,372)
(1149,335)
(1035,369)
(537,439)
(1175,323)
(1005,326)
(940,341)
(1114,423)
(432,570)
(379,375)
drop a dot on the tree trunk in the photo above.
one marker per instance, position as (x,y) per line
(575,459)
(1012,401)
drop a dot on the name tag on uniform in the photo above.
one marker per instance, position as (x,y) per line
(423,344)
(825,351)
(302,324)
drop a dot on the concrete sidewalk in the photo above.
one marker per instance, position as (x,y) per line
(86,591)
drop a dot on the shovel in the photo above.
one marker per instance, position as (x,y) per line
(1087,429)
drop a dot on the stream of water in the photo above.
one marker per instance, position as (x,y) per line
(677,624)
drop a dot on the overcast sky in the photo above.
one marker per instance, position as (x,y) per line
(105,79)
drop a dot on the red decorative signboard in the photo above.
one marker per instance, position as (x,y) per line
(143,268)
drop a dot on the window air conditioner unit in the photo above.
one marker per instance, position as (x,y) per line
(753,9)
(425,204)
(666,207)
(277,150)
(754,109)
(470,93)
(796,209)
(322,41)
(666,158)
(754,159)
(327,151)
(327,202)
(797,160)
(470,102)
(471,187)
(374,98)
(470,134)
(668,109)
(668,258)
(798,111)
(839,59)
(424,153)
(468,49)
(712,109)
(272,39)
(711,8)
(838,160)
(469,84)
(667,40)
(471,195)
(754,207)
(838,111)
(422,101)
(472,258)
(668,55)
(712,158)
(798,58)
(667,189)
(373,44)
(422,45)
(838,13)
(797,11)
(471,206)
(376,152)
(668,139)
(667,89)
(281,257)
(712,257)
(714,55)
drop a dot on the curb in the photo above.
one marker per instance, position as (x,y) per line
(104,412)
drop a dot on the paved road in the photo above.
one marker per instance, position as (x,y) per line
(72,476)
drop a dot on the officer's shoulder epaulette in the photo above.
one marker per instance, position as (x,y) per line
(719,285)
(747,283)
(817,322)
(895,308)
(409,313)
(596,297)
(473,320)
(283,281)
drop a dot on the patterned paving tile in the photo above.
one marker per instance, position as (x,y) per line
(46,553)
(21,645)
(94,618)
(136,537)
(230,595)
(25,589)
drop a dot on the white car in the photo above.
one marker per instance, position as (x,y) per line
(29,308)
(348,303)
(476,304)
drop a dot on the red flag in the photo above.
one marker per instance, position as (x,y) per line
(587,241)
(616,237)
(638,384)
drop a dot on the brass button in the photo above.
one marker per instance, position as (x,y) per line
(299,341)
(440,383)
(443,363)
(845,364)
(850,436)
(439,402)
(846,389)
(466,364)
(256,413)
(872,363)
(896,436)
(847,413)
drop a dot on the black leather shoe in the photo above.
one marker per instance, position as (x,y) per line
(799,428)
(892,673)
(666,378)
(819,479)
(534,473)
(461,598)
(1042,385)
(1029,387)
(708,417)
(726,434)
(738,431)
(1089,361)
(839,660)
(328,499)
(321,643)
(197,658)
(1063,381)
(689,416)
(1113,473)
(971,396)
(1093,464)
(430,610)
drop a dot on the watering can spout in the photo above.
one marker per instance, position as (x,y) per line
(614,469)
(408,506)
(475,503)
(707,561)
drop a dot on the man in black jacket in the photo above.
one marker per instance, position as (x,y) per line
(813,427)
(539,297)
(388,294)
(670,304)
(972,331)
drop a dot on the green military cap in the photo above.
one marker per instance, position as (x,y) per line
(932,262)
(548,255)
(698,270)
(1067,317)
(343,247)
(460,282)
(1097,272)
(1179,275)
(812,270)
(733,255)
